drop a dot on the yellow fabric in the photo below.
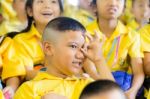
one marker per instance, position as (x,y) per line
(145,38)
(8,11)
(81,15)
(45,83)
(10,23)
(21,51)
(148,97)
(1,95)
(11,26)
(129,45)
(133,24)
(127,16)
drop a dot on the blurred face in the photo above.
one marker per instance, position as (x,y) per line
(85,4)
(19,7)
(45,10)
(141,10)
(113,94)
(67,56)
(110,9)
(1,17)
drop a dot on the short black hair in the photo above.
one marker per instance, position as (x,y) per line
(99,86)
(62,24)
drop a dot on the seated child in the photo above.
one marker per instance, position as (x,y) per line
(102,89)
(140,10)
(65,50)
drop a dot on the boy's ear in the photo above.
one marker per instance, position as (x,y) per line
(48,48)
(29,12)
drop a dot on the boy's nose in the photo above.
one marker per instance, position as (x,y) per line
(79,55)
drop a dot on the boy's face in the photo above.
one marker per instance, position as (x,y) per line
(110,9)
(141,9)
(113,94)
(19,7)
(45,10)
(67,57)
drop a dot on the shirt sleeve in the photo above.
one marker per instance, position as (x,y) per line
(135,49)
(26,91)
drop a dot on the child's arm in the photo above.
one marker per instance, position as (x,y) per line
(147,63)
(53,96)
(94,55)
(138,77)
(30,74)
(11,86)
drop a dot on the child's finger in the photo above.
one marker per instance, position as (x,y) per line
(90,38)
(96,35)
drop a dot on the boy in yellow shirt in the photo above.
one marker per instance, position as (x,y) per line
(141,11)
(65,51)
(145,35)
(120,44)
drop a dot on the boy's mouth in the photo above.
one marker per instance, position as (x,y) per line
(77,64)
(112,9)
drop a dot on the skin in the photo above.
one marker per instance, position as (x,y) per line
(147,63)
(71,46)
(141,11)
(43,11)
(19,7)
(108,14)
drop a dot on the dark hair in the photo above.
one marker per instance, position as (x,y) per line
(99,86)
(94,3)
(29,4)
(64,24)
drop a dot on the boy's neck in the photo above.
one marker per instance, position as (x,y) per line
(141,23)
(53,71)
(106,26)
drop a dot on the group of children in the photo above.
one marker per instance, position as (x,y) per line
(59,57)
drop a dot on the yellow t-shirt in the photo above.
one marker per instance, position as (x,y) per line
(145,37)
(123,42)
(79,14)
(22,50)
(44,83)
(1,95)
(127,15)
(148,97)
(133,24)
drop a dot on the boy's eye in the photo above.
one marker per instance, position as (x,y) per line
(53,1)
(40,1)
(73,46)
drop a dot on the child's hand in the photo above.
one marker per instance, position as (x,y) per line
(130,94)
(8,92)
(93,49)
(53,96)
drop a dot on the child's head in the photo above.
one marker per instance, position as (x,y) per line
(109,9)
(141,10)
(85,4)
(63,39)
(102,89)
(19,7)
(42,11)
